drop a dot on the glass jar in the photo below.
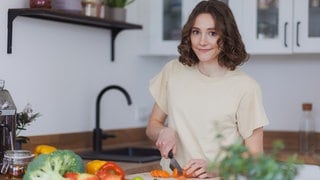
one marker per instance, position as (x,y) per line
(15,163)
(40,4)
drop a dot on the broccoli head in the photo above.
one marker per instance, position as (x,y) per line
(54,165)
(67,161)
(40,168)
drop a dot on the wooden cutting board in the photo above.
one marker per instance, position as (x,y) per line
(147,176)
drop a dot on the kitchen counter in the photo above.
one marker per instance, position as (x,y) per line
(136,137)
(135,169)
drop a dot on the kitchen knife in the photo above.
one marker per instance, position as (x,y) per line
(174,163)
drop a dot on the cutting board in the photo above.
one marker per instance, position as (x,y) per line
(147,176)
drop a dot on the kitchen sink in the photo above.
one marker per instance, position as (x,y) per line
(125,154)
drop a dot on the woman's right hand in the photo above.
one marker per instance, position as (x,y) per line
(166,141)
(164,137)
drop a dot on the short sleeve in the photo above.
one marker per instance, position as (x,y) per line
(158,87)
(251,114)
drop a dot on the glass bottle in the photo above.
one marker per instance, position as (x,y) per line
(307,130)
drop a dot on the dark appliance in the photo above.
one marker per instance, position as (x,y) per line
(7,120)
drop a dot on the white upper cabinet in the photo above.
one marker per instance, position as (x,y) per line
(166,20)
(306,26)
(281,26)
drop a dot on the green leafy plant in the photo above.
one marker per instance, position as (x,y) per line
(238,162)
(24,119)
(118,3)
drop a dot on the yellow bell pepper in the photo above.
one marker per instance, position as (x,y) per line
(93,166)
(44,149)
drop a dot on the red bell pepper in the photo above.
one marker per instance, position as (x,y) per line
(110,170)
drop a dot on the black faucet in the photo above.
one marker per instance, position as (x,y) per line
(98,135)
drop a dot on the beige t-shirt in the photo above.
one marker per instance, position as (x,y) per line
(200,107)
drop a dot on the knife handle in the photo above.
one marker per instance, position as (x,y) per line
(170,155)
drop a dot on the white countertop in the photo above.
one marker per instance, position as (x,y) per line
(308,172)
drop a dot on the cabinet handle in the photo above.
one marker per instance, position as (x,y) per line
(285,34)
(297,35)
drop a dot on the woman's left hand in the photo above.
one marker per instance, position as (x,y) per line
(198,168)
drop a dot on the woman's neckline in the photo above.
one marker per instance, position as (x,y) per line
(219,73)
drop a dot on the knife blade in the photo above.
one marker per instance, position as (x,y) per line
(174,163)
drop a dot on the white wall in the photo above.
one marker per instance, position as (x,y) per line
(287,81)
(60,68)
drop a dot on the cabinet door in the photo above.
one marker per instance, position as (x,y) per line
(166,20)
(268,26)
(307,26)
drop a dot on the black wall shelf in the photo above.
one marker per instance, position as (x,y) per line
(68,17)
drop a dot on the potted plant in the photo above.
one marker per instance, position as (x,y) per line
(238,163)
(115,9)
(24,119)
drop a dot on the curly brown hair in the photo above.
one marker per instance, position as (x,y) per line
(233,52)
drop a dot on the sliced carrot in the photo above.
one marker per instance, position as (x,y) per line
(160,173)
(175,173)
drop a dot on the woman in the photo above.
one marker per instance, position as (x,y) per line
(203,94)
